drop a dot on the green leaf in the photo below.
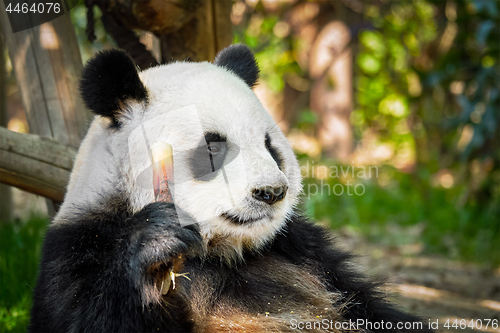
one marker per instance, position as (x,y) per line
(395,105)
(368,63)
(374,42)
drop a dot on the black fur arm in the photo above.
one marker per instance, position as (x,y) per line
(306,243)
(97,273)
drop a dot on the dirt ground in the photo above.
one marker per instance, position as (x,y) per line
(432,287)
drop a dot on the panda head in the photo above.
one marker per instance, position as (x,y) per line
(234,171)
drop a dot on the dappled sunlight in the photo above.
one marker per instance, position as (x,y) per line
(304,144)
(443,178)
(465,137)
(48,37)
(17,125)
(330,42)
(493,305)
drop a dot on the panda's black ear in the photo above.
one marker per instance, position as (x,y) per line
(240,60)
(108,80)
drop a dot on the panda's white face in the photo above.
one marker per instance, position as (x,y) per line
(234,171)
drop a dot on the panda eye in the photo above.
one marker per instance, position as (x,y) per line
(209,157)
(213,148)
(273,151)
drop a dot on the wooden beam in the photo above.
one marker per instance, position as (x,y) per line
(47,65)
(35,164)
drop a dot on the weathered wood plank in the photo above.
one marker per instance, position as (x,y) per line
(35,164)
(47,64)
(37,148)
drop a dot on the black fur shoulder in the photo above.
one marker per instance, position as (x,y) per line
(99,272)
(305,243)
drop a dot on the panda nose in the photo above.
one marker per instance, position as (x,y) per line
(270,194)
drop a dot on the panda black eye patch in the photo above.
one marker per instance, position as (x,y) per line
(273,151)
(208,158)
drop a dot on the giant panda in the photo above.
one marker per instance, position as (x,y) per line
(230,253)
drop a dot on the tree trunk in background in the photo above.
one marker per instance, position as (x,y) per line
(187,30)
(5,191)
(47,65)
(331,95)
(324,31)
(331,63)
(200,39)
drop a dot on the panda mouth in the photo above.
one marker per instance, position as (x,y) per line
(239,220)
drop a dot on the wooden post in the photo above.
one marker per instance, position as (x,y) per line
(47,64)
(201,38)
(194,30)
(5,190)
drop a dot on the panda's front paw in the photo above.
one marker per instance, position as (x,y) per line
(159,245)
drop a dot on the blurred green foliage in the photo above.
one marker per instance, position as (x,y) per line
(273,54)
(20,248)
(388,214)
(426,79)
(79,20)
(437,66)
